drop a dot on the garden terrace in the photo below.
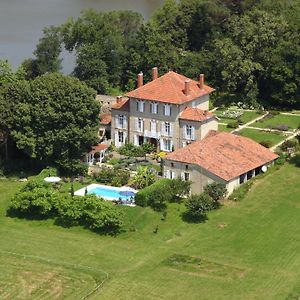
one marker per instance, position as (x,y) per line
(291,121)
(262,136)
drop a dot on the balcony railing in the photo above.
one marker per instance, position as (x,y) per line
(152,134)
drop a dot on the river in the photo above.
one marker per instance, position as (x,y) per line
(22,22)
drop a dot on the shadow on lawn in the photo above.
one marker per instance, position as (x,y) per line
(296,160)
(188,218)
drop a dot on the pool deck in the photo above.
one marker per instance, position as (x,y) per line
(81,192)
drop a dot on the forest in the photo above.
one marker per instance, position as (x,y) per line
(249,50)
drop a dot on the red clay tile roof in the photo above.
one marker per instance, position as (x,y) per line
(195,114)
(121,105)
(169,88)
(98,148)
(105,119)
(224,154)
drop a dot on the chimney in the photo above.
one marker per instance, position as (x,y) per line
(119,99)
(140,80)
(154,73)
(201,81)
(187,85)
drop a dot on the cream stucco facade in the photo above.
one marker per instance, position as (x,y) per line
(160,123)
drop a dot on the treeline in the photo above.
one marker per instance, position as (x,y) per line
(249,50)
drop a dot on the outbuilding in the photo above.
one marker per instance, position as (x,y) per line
(220,157)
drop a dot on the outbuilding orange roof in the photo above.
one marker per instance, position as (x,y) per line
(105,119)
(122,104)
(224,154)
(195,114)
(98,148)
(169,88)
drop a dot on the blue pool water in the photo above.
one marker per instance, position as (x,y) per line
(110,193)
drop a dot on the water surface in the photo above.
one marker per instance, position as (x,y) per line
(22,21)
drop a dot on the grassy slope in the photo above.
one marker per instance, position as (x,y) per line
(259,136)
(255,255)
(292,121)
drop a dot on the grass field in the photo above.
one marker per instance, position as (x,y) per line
(259,135)
(246,250)
(222,127)
(292,121)
(245,118)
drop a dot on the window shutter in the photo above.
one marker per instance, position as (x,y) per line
(116,139)
(193,133)
(117,121)
(171,145)
(125,138)
(182,175)
(136,142)
(125,122)
(142,125)
(171,129)
(137,124)
(161,145)
(142,106)
(185,131)
(137,105)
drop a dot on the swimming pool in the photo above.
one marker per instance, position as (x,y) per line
(125,194)
(111,193)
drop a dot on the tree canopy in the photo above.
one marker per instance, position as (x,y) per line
(55,118)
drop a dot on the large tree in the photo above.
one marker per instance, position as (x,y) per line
(55,119)
(47,54)
(101,41)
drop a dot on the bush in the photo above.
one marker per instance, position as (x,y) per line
(155,195)
(89,211)
(143,178)
(38,202)
(241,192)
(115,177)
(216,191)
(266,143)
(148,148)
(280,127)
(121,177)
(198,205)
(289,144)
(233,125)
(180,189)
(101,215)
(161,192)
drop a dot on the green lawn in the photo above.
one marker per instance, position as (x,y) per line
(259,135)
(246,117)
(246,250)
(224,128)
(292,121)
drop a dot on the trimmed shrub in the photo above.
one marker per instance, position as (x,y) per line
(161,192)
(266,143)
(233,125)
(280,127)
(198,205)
